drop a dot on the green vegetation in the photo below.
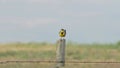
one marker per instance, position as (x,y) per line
(47,51)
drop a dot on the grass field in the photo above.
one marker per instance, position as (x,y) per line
(47,51)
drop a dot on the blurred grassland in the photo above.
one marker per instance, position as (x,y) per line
(47,51)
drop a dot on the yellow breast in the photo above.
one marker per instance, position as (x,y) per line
(62,33)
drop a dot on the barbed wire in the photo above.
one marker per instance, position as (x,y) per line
(54,61)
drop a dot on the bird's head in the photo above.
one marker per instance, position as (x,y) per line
(62,29)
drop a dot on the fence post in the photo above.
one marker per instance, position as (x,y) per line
(60,53)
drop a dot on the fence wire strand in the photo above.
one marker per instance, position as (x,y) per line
(53,61)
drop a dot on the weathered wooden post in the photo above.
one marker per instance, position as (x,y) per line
(61,50)
(61,53)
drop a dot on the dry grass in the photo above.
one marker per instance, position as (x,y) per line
(45,51)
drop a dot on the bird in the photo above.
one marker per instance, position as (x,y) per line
(62,33)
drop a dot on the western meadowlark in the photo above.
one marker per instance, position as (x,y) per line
(62,33)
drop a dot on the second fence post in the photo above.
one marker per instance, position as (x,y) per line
(61,53)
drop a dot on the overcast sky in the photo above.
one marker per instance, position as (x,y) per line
(86,21)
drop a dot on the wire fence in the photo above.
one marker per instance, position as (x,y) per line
(54,61)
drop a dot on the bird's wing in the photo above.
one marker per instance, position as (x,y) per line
(65,32)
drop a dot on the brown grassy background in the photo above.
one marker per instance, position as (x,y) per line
(47,51)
